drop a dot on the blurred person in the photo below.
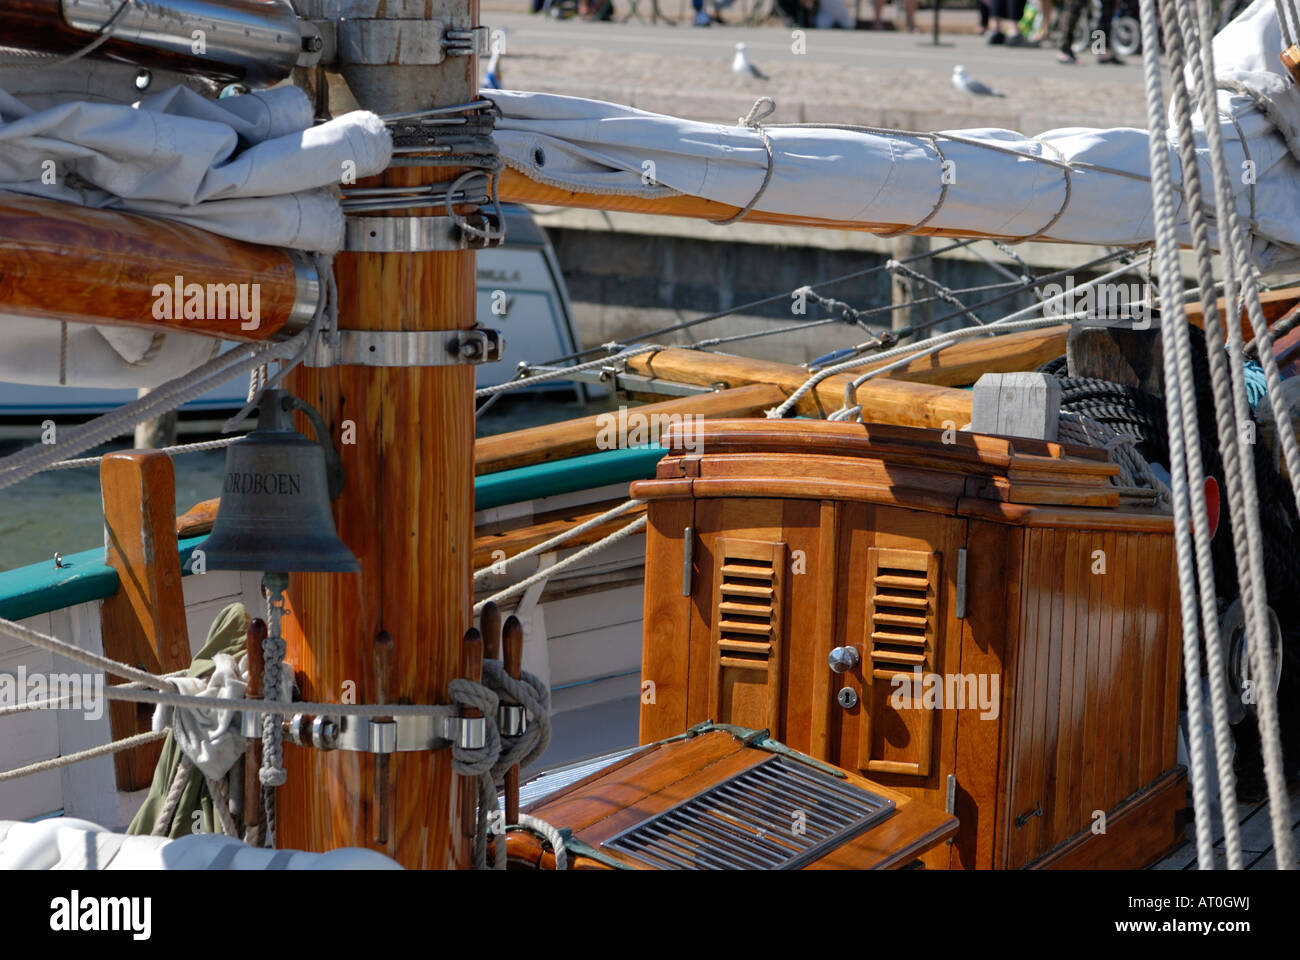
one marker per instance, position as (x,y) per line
(909,7)
(1044,21)
(1105,54)
(986,14)
(834,14)
(797,13)
(1010,11)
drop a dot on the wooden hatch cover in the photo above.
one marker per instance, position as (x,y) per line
(729,798)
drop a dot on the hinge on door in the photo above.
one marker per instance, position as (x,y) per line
(961,584)
(688,551)
(950,798)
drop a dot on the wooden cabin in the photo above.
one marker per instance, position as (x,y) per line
(975,622)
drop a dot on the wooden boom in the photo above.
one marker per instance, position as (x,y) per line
(517,188)
(60,261)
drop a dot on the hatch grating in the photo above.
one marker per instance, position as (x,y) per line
(752,821)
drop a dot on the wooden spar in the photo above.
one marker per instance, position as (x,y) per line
(512,649)
(406,511)
(60,261)
(888,401)
(966,361)
(517,188)
(555,441)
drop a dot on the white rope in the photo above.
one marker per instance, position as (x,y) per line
(198,447)
(546,545)
(1180,458)
(89,754)
(1232,411)
(548,833)
(162,823)
(633,528)
(273,650)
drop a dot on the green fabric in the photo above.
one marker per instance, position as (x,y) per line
(227,634)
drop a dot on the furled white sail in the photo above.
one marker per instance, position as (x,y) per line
(253,167)
(1076,185)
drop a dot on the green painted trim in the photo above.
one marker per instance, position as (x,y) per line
(565,476)
(41,587)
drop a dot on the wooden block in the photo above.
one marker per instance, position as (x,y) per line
(144,622)
(1017,405)
(1130,357)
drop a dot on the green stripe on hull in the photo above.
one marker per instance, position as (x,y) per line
(41,587)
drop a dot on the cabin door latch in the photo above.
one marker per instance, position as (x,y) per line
(1024,818)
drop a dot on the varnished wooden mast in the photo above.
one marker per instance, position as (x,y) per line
(406,512)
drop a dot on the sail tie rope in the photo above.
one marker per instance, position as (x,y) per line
(763,108)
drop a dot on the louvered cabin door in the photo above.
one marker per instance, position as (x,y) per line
(745,652)
(902,614)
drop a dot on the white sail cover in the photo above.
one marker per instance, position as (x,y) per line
(66,843)
(253,167)
(1093,188)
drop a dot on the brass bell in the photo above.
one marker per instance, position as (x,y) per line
(275,499)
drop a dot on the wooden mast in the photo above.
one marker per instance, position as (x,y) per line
(406,510)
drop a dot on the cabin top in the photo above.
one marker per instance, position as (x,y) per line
(1012,479)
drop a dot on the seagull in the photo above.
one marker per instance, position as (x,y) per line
(740,64)
(966,84)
